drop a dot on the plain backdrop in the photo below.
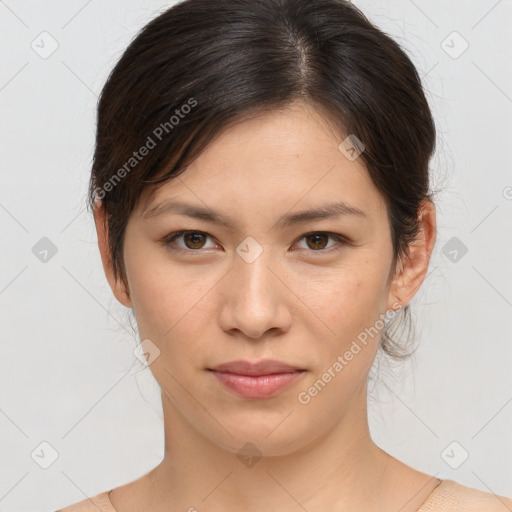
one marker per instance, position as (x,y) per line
(78,412)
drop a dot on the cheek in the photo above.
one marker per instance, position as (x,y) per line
(352,299)
(172,304)
(166,304)
(161,292)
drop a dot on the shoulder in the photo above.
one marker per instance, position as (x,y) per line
(98,503)
(450,496)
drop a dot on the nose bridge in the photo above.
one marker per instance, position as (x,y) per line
(253,275)
(254,302)
(251,267)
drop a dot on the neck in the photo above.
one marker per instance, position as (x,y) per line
(344,463)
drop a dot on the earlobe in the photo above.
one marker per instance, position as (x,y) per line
(117,286)
(413,266)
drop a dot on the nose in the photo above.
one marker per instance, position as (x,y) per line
(255,298)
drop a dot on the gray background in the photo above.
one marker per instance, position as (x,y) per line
(68,374)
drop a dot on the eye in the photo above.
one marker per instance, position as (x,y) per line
(194,241)
(318,245)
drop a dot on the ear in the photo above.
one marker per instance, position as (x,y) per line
(413,266)
(118,287)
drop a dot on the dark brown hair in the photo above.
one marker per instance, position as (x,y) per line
(201,65)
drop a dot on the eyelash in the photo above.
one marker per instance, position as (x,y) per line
(167,241)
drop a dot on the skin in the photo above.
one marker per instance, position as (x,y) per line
(296,302)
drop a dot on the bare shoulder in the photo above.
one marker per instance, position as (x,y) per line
(450,496)
(98,503)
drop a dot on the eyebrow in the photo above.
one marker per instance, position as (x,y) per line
(327,211)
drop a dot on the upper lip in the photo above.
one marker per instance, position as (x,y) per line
(264,367)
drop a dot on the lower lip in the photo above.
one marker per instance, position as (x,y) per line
(260,386)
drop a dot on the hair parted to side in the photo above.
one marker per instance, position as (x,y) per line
(200,66)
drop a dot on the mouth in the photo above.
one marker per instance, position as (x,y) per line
(263,379)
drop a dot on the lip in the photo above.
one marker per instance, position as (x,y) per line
(262,379)
(263,367)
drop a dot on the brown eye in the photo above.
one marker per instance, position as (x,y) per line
(318,241)
(192,240)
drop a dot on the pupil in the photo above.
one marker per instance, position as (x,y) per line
(317,236)
(193,235)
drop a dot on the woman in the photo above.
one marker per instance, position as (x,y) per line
(261,196)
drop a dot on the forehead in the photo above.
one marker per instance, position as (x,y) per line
(280,161)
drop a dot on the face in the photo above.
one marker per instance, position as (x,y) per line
(310,292)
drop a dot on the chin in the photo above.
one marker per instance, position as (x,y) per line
(270,437)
